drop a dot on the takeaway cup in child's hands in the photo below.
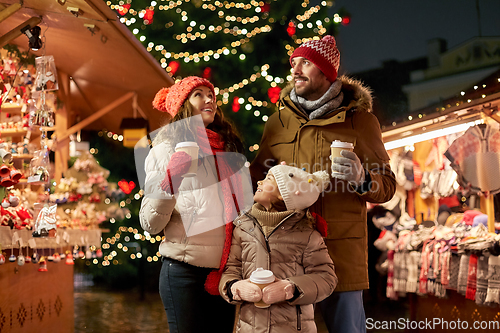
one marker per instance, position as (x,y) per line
(191,148)
(262,278)
(337,146)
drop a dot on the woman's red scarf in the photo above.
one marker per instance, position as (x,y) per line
(211,143)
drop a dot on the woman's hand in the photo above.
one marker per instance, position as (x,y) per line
(177,166)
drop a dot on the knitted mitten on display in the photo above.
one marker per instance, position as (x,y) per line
(278,291)
(179,164)
(245,290)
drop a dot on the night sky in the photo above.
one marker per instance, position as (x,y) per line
(399,29)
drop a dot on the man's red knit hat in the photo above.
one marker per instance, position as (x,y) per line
(323,53)
(171,99)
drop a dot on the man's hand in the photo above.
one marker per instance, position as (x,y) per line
(245,290)
(278,291)
(348,168)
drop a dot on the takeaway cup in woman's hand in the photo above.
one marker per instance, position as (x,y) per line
(191,148)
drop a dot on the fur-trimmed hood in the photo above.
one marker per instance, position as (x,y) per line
(356,94)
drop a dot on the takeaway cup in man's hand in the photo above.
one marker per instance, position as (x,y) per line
(337,146)
(191,148)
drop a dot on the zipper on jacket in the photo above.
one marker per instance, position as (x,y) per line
(193,216)
(299,313)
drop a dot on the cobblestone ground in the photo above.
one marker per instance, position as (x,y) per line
(108,312)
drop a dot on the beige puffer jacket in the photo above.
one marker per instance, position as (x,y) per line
(295,251)
(197,208)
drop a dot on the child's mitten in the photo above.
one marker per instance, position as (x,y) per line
(278,291)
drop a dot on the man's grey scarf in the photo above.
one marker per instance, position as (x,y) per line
(330,101)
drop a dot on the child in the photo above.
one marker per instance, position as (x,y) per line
(278,234)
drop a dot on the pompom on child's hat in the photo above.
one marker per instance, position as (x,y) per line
(171,99)
(323,53)
(299,188)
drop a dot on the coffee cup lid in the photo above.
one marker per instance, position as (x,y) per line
(186,144)
(261,276)
(341,144)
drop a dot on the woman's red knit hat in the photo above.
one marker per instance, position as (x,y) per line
(171,99)
(323,53)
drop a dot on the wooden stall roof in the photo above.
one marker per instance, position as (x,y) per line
(104,65)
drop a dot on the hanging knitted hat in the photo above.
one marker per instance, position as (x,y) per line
(323,53)
(171,99)
(299,188)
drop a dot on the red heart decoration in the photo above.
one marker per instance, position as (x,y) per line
(125,186)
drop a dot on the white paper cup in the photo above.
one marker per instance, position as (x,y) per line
(262,278)
(337,146)
(190,148)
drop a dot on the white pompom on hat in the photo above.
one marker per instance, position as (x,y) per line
(299,188)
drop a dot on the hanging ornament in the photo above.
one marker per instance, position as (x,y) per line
(35,258)
(42,112)
(57,257)
(99,253)
(274,94)
(291,29)
(39,167)
(123,9)
(27,259)
(20,259)
(45,224)
(46,74)
(69,258)
(43,265)
(148,16)
(2,259)
(207,73)
(236,104)
(174,66)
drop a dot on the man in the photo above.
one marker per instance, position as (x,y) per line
(314,110)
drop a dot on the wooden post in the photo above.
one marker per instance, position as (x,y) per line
(61,154)
(490,211)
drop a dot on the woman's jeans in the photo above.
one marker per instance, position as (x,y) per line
(190,308)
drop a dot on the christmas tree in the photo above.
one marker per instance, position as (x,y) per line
(242,47)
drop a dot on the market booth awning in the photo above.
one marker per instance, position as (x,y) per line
(107,68)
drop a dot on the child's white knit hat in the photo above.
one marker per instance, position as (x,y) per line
(299,188)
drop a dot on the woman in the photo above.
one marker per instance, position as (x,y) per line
(195,213)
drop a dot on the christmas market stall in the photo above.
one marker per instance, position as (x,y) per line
(440,233)
(66,67)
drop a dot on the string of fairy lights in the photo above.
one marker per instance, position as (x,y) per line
(235,17)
